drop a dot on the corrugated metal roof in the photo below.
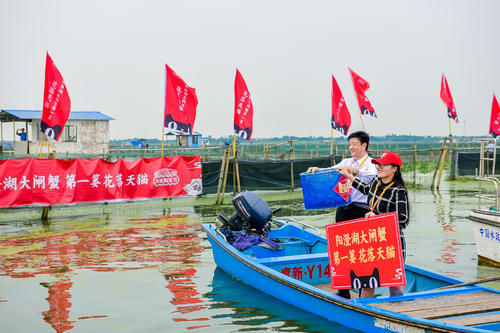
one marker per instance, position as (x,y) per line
(74,115)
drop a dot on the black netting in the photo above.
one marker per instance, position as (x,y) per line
(261,174)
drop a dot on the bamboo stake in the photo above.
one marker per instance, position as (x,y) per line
(234,158)
(226,168)
(441,167)
(221,175)
(439,161)
(237,172)
(266,150)
(415,164)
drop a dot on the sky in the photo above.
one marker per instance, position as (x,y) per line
(112,55)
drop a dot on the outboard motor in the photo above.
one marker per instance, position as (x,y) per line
(251,213)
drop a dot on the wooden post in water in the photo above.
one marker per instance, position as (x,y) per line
(266,150)
(441,167)
(222,175)
(235,152)
(204,144)
(292,156)
(452,175)
(439,160)
(415,164)
(45,213)
(226,169)
(236,170)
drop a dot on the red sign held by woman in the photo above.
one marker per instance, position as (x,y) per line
(366,253)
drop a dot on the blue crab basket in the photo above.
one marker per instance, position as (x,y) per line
(318,190)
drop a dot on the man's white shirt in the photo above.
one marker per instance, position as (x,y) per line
(367,171)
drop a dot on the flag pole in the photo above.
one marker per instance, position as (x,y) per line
(234,163)
(162,137)
(331,142)
(449,124)
(361,118)
(41,144)
(234,145)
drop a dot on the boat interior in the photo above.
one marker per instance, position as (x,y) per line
(303,255)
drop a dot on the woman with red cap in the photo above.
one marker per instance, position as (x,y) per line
(386,193)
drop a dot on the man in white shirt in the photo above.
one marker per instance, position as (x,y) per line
(360,165)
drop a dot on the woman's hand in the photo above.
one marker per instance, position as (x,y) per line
(313,169)
(369,214)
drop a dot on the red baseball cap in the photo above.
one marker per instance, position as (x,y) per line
(388,157)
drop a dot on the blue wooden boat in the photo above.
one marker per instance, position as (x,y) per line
(297,274)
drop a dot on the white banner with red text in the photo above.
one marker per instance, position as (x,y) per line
(55,181)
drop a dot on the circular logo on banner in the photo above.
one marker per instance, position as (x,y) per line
(166,177)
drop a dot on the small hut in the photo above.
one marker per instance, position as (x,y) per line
(85,132)
(183,139)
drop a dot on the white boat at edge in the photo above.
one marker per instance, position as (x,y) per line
(486,228)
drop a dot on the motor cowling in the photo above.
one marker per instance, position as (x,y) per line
(251,213)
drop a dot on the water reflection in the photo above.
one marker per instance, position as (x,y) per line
(143,271)
(242,308)
(106,247)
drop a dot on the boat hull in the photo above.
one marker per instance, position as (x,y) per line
(259,274)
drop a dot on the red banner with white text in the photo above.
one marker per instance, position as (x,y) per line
(55,181)
(366,253)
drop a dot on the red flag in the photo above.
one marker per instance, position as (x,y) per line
(243,108)
(341,118)
(56,102)
(495,118)
(447,99)
(361,86)
(180,104)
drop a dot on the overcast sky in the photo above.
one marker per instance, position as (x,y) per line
(112,55)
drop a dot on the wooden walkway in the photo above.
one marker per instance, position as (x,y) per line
(472,308)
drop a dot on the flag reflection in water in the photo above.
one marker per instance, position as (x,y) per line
(133,245)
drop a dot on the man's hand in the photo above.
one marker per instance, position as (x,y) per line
(353,170)
(313,169)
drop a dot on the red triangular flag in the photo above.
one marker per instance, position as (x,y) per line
(447,99)
(243,108)
(360,87)
(56,102)
(495,118)
(180,104)
(341,118)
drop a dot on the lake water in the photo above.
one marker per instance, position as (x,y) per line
(148,266)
